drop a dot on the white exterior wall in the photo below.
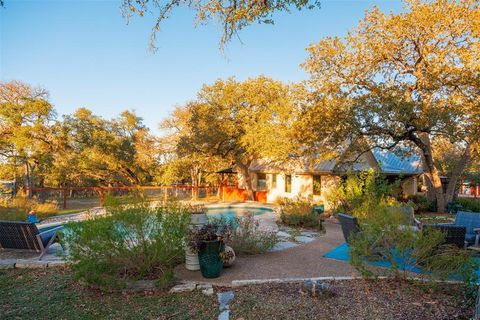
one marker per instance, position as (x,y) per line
(302,185)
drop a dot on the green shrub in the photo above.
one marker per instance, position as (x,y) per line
(420,203)
(248,238)
(359,194)
(136,241)
(298,213)
(384,236)
(469,204)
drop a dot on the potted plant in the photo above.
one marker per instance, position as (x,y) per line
(209,242)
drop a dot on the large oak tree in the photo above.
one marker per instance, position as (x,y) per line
(240,122)
(26,136)
(399,82)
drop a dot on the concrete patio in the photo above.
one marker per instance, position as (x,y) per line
(303,261)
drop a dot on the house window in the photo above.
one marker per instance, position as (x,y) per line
(288,183)
(274,180)
(261,181)
(317,185)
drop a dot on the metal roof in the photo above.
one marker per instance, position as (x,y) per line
(392,163)
(388,162)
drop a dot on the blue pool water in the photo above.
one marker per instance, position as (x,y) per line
(227,214)
(230,213)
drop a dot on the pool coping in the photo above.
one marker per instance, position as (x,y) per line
(245,205)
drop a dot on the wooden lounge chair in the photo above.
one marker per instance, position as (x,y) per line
(349,225)
(26,236)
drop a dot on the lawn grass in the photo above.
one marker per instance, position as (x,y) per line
(54,294)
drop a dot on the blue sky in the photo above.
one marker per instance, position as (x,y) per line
(86,55)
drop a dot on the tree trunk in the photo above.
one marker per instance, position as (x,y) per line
(27,179)
(456,174)
(432,172)
(430,194)
(436,182)
(245,172)
(195,175)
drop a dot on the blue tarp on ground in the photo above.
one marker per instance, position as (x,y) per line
(342,253)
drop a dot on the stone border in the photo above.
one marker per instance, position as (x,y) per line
(30,264)
(241,283)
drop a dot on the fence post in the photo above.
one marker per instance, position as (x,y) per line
(64,199)
(208,194)
(165,195)
(102,198)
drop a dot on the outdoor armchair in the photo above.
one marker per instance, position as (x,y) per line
(26,236)
(471,222)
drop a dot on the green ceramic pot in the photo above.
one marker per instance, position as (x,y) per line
(211,264)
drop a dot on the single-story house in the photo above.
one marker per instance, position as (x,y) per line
(300,177)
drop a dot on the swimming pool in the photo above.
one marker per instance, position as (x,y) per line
(225,213)
(230,213)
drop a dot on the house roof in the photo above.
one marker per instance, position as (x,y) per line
(387,161)
(392,163)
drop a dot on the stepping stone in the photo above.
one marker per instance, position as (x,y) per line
(224,299)
(283,234)
(304,239)
(224,315)
(282,245)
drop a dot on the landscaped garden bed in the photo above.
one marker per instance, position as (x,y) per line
(356,299)
(51,294)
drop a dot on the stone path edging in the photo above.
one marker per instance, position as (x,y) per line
(248,282)
(240,283)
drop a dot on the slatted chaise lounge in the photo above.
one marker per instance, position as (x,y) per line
(26,236)
(349,225)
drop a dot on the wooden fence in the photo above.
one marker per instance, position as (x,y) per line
(88,197)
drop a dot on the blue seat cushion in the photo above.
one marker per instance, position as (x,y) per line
(470,237)
(470,220)
(46,237)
